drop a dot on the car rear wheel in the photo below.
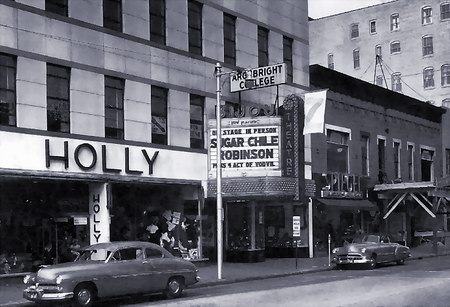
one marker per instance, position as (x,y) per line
(84,295)
(401,261)
(175,287)
(373,262)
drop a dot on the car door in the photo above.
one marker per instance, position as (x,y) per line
(126,274)
(386,249)
(156,270)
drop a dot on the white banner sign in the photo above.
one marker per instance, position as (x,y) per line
(315,104)
(258,77)
(296,226)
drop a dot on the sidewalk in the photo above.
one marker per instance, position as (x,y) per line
(11,287)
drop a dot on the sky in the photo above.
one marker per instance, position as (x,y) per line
(322,8)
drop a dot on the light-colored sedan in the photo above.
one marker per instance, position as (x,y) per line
(110,270)
(371,250)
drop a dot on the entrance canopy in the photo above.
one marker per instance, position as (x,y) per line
(349,204)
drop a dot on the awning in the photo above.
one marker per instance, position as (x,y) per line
(349,204)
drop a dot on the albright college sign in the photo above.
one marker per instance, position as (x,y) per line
(250,147)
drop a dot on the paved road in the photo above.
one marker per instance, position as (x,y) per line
(418,283)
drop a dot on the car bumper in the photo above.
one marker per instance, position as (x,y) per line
(37,294)
(350,259)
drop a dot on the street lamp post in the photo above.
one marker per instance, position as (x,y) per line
(218,73)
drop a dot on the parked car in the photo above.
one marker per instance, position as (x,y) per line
(110,270)
(371,250)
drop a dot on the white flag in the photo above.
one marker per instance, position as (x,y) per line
(315,103)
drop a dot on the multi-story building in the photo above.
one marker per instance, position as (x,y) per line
(372,136)
(103,110)
(401,45)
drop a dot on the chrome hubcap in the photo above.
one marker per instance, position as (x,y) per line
(174,286)
(84,296)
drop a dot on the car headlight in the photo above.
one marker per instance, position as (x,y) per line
(58,280)
(363,250)
(335,250)
(28,279)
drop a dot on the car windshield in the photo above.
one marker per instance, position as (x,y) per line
(370,239)
(94,254)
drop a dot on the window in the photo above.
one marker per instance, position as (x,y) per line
(396,82)
(229,38)
(365,154)
(196,114)
(114,92)
(379,80)
(7,90)
(445,11)
(153,253)
(356,62)
(410,162)
(397,157)
(195,27)
(447,161)
(158,21)
(263,46)
(426,159)
(446,102)
(126,254)
(427,45)
(112,14)
(337,151)
(445,74)
(427,15)
(395,47)
(287,56)
(378,54)
(59,7)
(58,98)
(373,27)
(395,22)
(330,61)
(354,30)
(381,160)
(159,115)
(428,77)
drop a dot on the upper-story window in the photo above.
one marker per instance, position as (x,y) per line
(58,98)
(410,161)
(395,47)
(337,151)
(158,21)
(426,160)
(287,56)
(445,11)
(330,61)
(373,27)
(396,82)
(397,158)
(354,30)
(381,159)
(395,22)
(8,89)
(427,15)
(60,7)
(114,94)
(229,38)
(447,161)
(365,154)
(195,27)
(378,54)
(159,115)
(112,14)
(427,45)
(263,46)
(197,123)
(428,77)
(356,62)
(445,74)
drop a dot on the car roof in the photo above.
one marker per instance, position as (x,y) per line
(125,244)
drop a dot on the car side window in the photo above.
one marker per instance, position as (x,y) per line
(151,253)
(385,240)
(127,254)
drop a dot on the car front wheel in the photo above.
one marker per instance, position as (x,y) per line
(83,295)
(373,262)
(175,287)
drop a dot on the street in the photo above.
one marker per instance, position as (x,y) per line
(417,283)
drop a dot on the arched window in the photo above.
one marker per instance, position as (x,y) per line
(330,61)
(395,22)
(378,53)
(445,10)
(427,45)
(396,82)
(428,77)
(445,74)
(356,62)
(395,47)
(427,15)
(354,30)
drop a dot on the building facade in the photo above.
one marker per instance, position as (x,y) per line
(103,113)
(372,136)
